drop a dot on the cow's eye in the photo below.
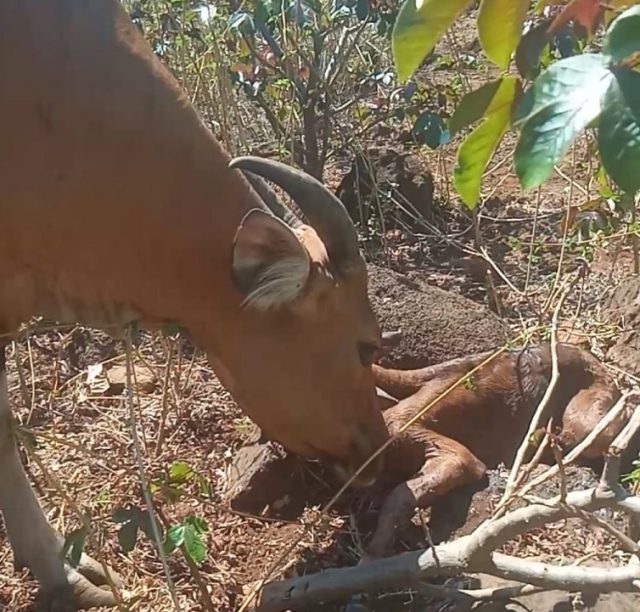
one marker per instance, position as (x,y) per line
(368,353)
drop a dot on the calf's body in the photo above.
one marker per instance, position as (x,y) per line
(482,421)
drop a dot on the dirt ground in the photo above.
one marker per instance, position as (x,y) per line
(83,437)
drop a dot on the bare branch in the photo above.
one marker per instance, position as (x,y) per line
(542,406)
(475,553)
(614,413)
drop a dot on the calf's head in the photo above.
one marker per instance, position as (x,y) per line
(302,366)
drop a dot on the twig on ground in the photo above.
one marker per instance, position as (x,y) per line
(133,425)
(475,553)
(614,412)
(537,417)
(474,595)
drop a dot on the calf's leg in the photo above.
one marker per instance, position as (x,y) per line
(584,412)
(448,465)
(35,543)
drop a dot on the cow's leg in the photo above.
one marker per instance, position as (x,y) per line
(35,543)
(447,465)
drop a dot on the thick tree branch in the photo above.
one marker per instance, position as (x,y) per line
(475,553)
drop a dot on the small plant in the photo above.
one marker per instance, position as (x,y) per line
(633,476)
(188,536)
(171,485)
(132,520)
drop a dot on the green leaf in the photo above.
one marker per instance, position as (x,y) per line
(500,27)
(261,14)
(189,535)
(362,9)
(197,523)
(563,101)
(419,26)
(74,546)
(194,546)
(174,538)
(127,536)
(478,147)
(623,36)
(132,520)
(619,131)
(530,48)
(179,472)
(473,106)
(430,129)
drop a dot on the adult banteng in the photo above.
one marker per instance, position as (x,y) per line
(117,204)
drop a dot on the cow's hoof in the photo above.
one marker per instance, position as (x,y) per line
(87,587)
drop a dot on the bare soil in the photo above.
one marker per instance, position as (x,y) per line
(82,432)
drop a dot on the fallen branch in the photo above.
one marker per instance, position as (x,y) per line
(614,413)
(513,480)
(475,553)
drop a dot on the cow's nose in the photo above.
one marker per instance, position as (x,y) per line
(364,447)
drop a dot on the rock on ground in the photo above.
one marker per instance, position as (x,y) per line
(435,325)
(259,476)
(623,308)
(381,172)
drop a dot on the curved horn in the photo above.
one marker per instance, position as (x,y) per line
(271,199)
(325,211)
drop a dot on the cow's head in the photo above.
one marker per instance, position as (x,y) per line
(303,373)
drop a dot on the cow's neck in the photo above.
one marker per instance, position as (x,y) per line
(116,200)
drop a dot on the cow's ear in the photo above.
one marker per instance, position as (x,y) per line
(270,265)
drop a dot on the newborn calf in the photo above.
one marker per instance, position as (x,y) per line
(481,422)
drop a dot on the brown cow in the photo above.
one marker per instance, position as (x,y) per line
(117,204)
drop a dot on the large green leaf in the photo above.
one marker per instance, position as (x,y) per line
(619,131)
(419,26)
(478,147)
(563,101)
(500,27)
(473,106)
(623,36)
(193,543)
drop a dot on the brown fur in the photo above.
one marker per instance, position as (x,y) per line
(482,422)
(117,203)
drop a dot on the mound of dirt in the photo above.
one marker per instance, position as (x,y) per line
(435,325)
(622,308)
(383,172)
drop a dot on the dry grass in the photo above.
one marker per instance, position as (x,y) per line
(83,436)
